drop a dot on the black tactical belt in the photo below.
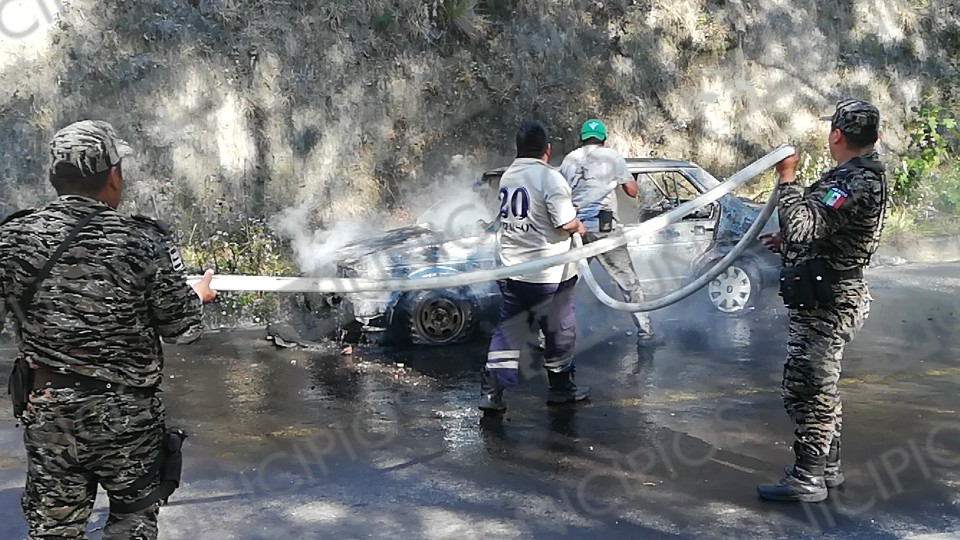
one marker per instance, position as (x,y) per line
(44,378)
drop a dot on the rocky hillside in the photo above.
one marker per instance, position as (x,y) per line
(246,107)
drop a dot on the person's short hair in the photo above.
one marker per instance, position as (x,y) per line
(68,179)
(856,141)
(592,140)
(531,140)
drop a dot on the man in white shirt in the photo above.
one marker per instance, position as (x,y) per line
(537,219)
(591,170)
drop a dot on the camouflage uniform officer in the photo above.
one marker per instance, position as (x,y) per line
(91,338)
(832,227)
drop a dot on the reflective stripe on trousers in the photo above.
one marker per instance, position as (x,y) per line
(551,307)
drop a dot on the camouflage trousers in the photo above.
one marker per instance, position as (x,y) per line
(75,442)
(619,266)
(815,347)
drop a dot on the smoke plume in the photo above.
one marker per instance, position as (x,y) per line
(450,201)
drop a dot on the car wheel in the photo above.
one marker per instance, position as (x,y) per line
(437,317)
(735,290)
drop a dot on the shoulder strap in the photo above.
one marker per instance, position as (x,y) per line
(156,224)
(16,215)
(31,291)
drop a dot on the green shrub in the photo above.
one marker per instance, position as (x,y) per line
(462,16)
(933,138)
(946,196)
(245,247)
(382,22)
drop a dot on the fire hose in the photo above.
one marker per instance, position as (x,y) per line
(579,254)
(718,268)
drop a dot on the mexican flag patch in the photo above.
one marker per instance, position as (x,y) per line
(834,198)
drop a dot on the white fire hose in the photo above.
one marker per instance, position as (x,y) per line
(579,254)
(687,290)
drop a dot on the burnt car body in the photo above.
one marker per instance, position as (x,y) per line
(460,236)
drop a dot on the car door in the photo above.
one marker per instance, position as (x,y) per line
(663,258)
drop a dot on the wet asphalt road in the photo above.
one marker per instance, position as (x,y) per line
(387,444)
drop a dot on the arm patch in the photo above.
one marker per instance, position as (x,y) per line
(835,198)
(175,259)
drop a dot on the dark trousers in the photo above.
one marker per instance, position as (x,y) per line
(75,442)
(551,307)
(817,339)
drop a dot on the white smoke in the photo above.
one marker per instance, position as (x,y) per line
(452,203)
(449,204)
(315,249)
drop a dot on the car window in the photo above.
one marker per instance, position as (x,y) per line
(661,191)
(672,185)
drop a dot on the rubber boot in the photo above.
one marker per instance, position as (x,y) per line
(491,393)
(803,483)
(563,389)
(649,340)
(832,475)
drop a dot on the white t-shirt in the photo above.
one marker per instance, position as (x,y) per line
(590,170)
(534,202)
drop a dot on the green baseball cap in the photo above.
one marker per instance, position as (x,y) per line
(593,128)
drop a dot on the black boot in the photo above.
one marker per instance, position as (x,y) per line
(563,389)
(832,475)
(803,483)
(491,393)
(650,341)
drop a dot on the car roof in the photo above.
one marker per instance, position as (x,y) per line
(657,163)
(634,165)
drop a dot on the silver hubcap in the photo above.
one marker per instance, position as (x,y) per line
(730,292)
(439,320)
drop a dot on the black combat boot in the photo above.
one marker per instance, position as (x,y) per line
(491,393)
(832,475)
(563,389)
(803,483)
(649,341)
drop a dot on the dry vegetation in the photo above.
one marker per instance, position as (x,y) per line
(240,108)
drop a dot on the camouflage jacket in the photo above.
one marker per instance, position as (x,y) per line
(839,218)
(115,291)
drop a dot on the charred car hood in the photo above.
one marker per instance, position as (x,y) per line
(409,249)
(413,235)
(737,217)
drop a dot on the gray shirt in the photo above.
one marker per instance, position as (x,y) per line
(589,170)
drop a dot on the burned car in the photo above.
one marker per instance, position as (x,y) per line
(459,235)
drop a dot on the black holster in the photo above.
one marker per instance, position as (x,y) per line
(605,219)
(19,386)
(810,285)
(169,467)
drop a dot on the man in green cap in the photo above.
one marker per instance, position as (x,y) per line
(591,170)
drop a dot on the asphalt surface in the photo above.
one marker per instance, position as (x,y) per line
(306,443)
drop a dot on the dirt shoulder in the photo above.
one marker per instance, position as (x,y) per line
(917,249)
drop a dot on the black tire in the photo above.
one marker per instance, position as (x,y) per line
(735,291)
(436,317)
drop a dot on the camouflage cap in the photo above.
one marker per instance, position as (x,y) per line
(86,148)
(855,117)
